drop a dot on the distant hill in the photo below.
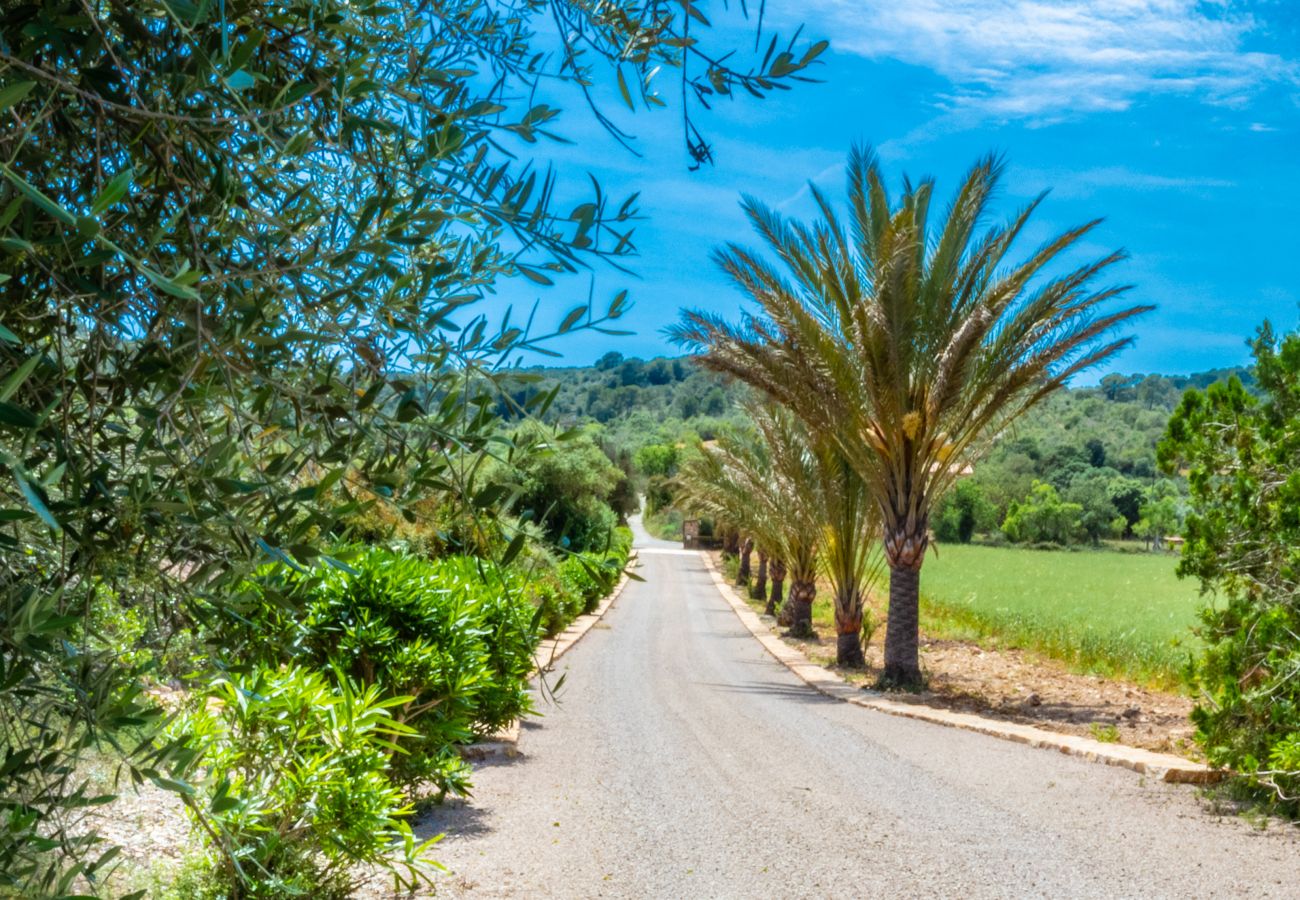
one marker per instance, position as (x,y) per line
(1113,425)
(639,401)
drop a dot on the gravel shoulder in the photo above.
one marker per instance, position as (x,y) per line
(683,761)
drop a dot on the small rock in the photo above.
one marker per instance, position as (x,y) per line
(1034,700)
(1131,713)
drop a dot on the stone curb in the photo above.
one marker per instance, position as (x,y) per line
(506,743)
(1164,766)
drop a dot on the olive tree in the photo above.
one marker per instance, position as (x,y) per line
(241,246)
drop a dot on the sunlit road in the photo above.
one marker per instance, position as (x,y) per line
(683,761)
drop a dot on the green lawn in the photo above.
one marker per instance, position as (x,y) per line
(1100,611)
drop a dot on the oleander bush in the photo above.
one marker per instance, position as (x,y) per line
(563,591)
(557,602)
(288,787)
(430,528)
(454,636)
(590,577)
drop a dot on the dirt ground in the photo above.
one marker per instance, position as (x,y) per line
(1021,687)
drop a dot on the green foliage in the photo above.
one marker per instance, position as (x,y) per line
(1242,455)
(455,636)
(557,601)
(239,249)
(113,627)
(289,786)
(587,580)
(962,512)
(578,584)
(1107,734)
(640,402)
(1118,614)
(431,527)
(562,482)
(1160,513)
(623,497)
(657,460)
(667,523)
(1077,434)
(1093,492)
(1044,518)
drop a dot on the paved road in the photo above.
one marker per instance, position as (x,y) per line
(684,762)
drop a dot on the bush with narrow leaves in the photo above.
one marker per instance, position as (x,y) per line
(289,788)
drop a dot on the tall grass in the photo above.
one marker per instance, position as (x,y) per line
(1116,614)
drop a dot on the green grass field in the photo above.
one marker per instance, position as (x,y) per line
(1123,614)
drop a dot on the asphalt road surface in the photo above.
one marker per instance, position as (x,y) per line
(682,761)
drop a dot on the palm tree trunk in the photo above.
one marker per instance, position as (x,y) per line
(746,557)
(902,639)
(905,550)
(774,599)
(848,630)
(802,593)
(758,590)
(730,541)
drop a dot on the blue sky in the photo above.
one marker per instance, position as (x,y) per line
(1176,121)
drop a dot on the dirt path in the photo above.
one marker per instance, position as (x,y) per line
(683,761)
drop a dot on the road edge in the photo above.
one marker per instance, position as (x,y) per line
(506,741)
(1163,766)
(553,648)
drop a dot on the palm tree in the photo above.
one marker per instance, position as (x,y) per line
(756,481)
(801,497)
(758,590)
(851,549)
(775,598)
(744,570)
(795,470)
(835,498)
(910,343)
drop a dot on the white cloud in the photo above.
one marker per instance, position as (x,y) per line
(1086,182)
(1049,59)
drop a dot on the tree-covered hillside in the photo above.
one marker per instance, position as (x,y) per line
(637,402)
(1080,467)
(1114,424)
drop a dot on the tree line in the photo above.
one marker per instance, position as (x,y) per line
(1080,470)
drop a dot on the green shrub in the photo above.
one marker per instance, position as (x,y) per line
(962,512)
(557,602)
(114,626)
(429,528)
(457,639)
(290,787)
(591,576)
(457,636)
(584,577)
(1241,453)
(506,620)
(621,544)
(1044,518)
(561,481)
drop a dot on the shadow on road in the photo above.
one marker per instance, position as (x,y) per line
(456,819)
(770,689)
